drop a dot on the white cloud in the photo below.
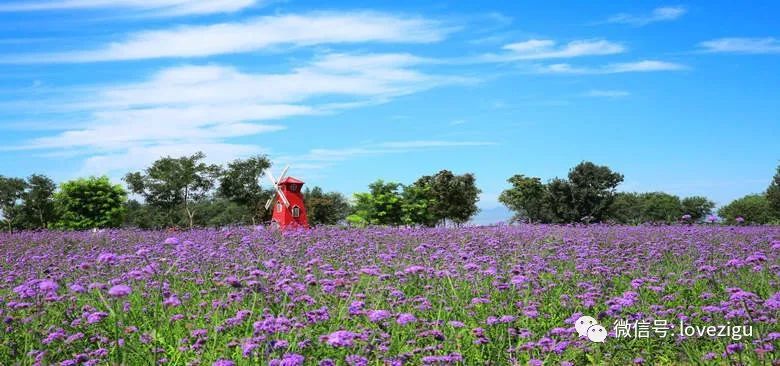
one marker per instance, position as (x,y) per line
(599,93)
(153,7)
(139,157)
(322,158)
(662,14)
(742,45)
(614,68)
(253,35)
(209,105)
(539,49)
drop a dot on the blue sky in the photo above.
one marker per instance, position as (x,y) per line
(679,97)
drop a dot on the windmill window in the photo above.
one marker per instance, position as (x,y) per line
(296,211)
(293,187)
(278,207)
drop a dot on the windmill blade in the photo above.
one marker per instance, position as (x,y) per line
(268,204)
(271,177)
(282,196)
(281,176)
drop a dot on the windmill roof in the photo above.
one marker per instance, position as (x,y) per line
(290,180)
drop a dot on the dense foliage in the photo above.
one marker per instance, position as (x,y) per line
(90,203)
(588,195)
(176,183)
(753,209)
(187,192)
(429,201)
(411,296)
(584,197)
(773,194)
(325,208)
(240,183)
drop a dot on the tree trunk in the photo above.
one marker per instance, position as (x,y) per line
(190,215)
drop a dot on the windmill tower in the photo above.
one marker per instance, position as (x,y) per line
(288,208)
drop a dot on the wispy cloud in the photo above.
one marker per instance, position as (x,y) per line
(116,163)
(614,68)
(764,45)
(316,159)
(601,93)
(539,49)
(662,14)
(151,7)
(253,35)
(212,104)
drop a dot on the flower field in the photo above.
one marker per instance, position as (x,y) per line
(496,295)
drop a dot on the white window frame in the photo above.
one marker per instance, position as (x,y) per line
(296,212)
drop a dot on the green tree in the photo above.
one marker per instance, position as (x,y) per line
(526,199)
(697,206)
(88,203)
(11,194)
(455,196)
(382,205)
(325,208)
(585,196)
(144,216)
(773,194)
(626,208)
(660,207)
(592,190)
(418,206)
(219,212)
(240,184)
(560,201)
(754,208)
(176,183)
(38,210)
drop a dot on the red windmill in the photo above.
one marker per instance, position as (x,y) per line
(289,211)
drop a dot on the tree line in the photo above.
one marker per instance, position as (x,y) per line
(589,194)
(188,192)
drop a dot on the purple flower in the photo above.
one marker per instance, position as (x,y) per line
(356,360)
(519,280)
(773,303)
(456,324)
(355,307)
(291,359)
(106,258)
(120,291)
(248,348)
(340,338)
(734,348)
(450,359)
(48,285)
(172,241)
(77,288)
(96,317)
(378,315)
(172,301)
(405,318)
(223,362)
